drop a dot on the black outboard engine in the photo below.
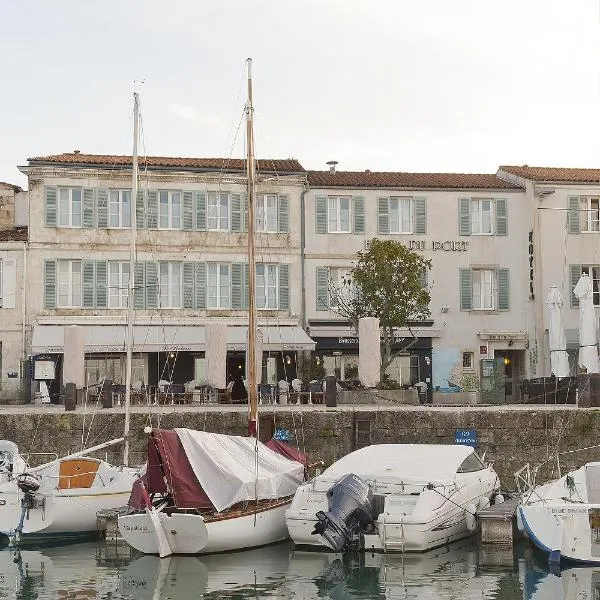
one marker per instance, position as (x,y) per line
(350,511)
(28,483)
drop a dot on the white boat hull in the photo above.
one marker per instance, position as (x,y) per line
(191,534)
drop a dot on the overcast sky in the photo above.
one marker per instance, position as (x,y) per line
(399,85)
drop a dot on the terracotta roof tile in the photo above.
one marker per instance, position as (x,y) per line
(16,188)
(290,165)
(374,179)
(555,174)
(17,234)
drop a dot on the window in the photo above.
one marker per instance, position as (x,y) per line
(590,214)
(471,464)
(69,283)
(69,207)
(338,214)
(119,208)
(483,289)
(266,213)
(400,215)
(218,285)
(100,368)
(481,216)
(594,273)
(467,361)
(217,208)
(118,284)
(169,210)
(266,287)
(169,282)
(340,286)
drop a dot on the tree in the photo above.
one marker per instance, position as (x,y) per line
(387,282)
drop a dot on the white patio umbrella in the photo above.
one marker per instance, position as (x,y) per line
(559,359)
(588,347)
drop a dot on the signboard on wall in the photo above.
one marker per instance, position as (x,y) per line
(466,437)
(44,369)
(483,349)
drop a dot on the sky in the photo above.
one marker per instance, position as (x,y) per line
(385,85)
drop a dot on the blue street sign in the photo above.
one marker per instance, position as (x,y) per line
(467,437)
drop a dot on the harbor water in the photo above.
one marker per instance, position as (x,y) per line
(94,570)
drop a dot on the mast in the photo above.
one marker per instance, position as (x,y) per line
(130,287)
(250,173)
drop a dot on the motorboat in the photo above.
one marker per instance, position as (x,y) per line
(393,498)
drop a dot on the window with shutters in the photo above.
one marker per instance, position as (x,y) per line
(69,283)
(482,216)
(401,215)
(119,208)
(169,284)
(338,214)
(266,213)
(266,287)
(483,289)
(69,207)
(340,281)
(594,273)
(218,285)
(589,215)
(169,210)
(217,211)
(118,284)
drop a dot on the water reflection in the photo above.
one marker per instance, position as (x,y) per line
(572,583)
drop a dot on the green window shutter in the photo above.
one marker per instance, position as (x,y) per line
(51,217)
(102,209)
(151,209)
(464,216)
(501,217)
(321,214)
(420,215)
(101,284)
(466,290)
(201,285)
(151,283)
(237,302)
(283,213)
(245,213)
(88,283)
(574,275)
(201,211)
(140,211)
(188,285)
(246,288)
(358,205)
(322,292)
(573,214)
(236,212)
(284,287)
(138,281)
(88,207)
(50,284)
(188,210)
(383,216)
(503,290)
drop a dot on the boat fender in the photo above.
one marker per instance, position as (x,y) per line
(471,517)
(499,499)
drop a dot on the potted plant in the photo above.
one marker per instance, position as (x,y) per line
(469,384)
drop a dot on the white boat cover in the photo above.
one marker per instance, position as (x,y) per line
(232,468)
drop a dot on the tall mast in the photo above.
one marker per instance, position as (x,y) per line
(131,285)
(250,173)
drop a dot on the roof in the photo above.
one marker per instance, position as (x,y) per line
(290,165)
(17,234)
(12,186)
(555,174)
(378,179)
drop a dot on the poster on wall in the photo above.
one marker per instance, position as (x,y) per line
(483,349)
(43,369)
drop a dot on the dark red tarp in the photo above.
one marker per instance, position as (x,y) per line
(287,451)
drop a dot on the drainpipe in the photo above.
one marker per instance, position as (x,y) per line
(302,250)
(23,303)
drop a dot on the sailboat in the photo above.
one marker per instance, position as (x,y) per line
(207,492)
(60,498)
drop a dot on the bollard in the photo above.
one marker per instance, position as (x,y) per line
(70,395)
(330,391)
(107,394)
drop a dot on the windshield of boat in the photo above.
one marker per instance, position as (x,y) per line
(470,464)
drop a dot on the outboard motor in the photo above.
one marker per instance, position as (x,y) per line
(350,511)
(29,484)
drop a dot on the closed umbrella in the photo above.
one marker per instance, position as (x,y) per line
(588,348)
(559,359)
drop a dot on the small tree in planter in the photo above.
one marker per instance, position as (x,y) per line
(470,384)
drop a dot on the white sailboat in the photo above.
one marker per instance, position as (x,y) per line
(60,498)
(212,492)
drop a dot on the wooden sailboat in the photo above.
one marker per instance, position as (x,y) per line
(205,492)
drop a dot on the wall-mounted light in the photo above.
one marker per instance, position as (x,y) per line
(288,360)
(445,309)
(427,360)
(506,361)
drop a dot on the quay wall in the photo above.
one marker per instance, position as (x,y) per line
(510,437)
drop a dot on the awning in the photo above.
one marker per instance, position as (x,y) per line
(167,338)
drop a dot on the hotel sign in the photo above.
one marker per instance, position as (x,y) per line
(445,246)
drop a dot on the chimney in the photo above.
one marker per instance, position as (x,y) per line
(332,164)
(76,151)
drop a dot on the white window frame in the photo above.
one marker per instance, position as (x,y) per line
(119,209)
(398,223)
(483,293)
(594,273)
(590,214)
(118,283)
(336,278)
(266,288)
(170,284)
(267,213)
(169,212)
(218,205)
(74,288)
(477,214)
(218,286)
(67,216)
(334,214)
